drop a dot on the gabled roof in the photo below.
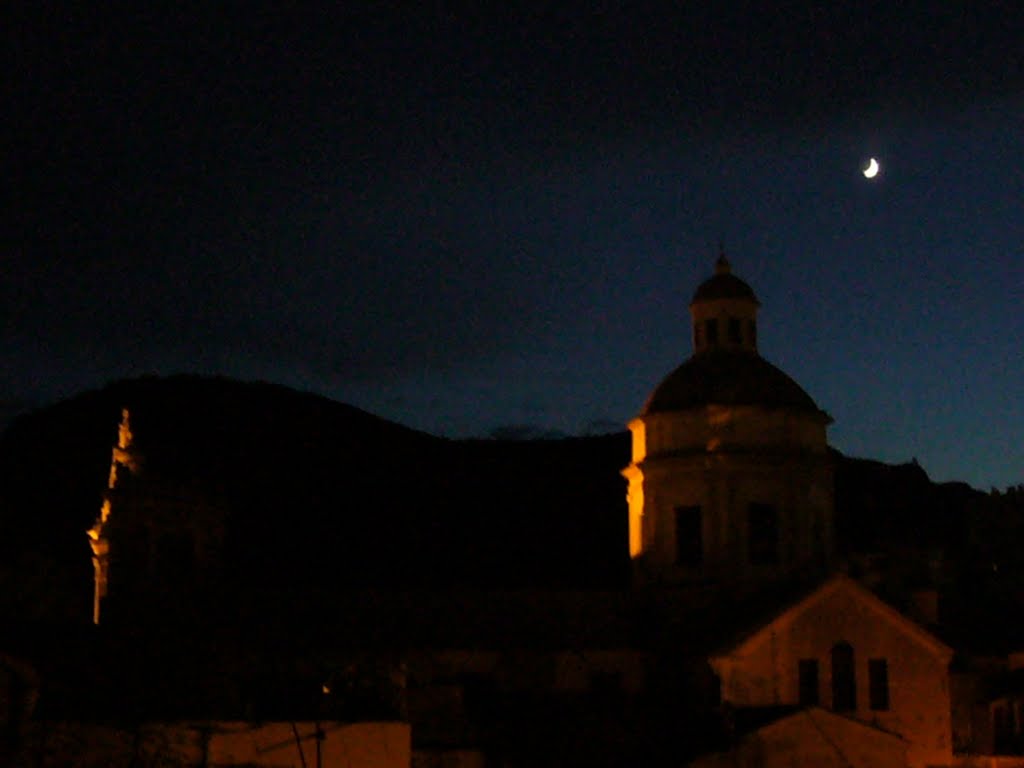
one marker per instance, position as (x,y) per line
(812,737)
(834,585)
(820,716)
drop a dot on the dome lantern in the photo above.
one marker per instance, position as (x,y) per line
(724,312)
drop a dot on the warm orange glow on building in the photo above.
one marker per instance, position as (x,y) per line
(635,501)
(639,437)
(635,488)
(768,667)
(122,456)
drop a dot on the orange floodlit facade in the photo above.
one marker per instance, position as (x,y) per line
(123,458)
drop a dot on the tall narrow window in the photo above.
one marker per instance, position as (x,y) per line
(689,536)
(762,534)
(844,679)
(734,331)
(711,326)
(878,683)
(752,333)
(808,670)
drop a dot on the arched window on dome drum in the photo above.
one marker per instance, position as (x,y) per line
(844,678)
(762,534)
(689,536)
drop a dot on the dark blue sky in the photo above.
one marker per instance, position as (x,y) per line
(465,221)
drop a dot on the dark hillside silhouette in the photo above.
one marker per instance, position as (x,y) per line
(320,497)
(317,494)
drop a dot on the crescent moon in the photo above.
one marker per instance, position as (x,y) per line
(872,170)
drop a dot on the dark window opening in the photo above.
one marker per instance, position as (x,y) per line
(844,679)
(752,332)
(808,670)
(689,536)
(734,331)
(712,329)
(763,534)
(878,683)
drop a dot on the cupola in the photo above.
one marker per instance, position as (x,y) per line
(724,312)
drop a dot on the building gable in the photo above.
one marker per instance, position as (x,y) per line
(843,649)
(838,593)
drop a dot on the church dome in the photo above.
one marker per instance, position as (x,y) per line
(725,377)
(730,478)
(724,285)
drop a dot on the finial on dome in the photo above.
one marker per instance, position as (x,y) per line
(722,266)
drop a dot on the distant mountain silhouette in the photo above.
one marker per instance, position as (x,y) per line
(315,492)
(318,495)
(882,505)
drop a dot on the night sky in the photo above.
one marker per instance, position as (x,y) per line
(485,219)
